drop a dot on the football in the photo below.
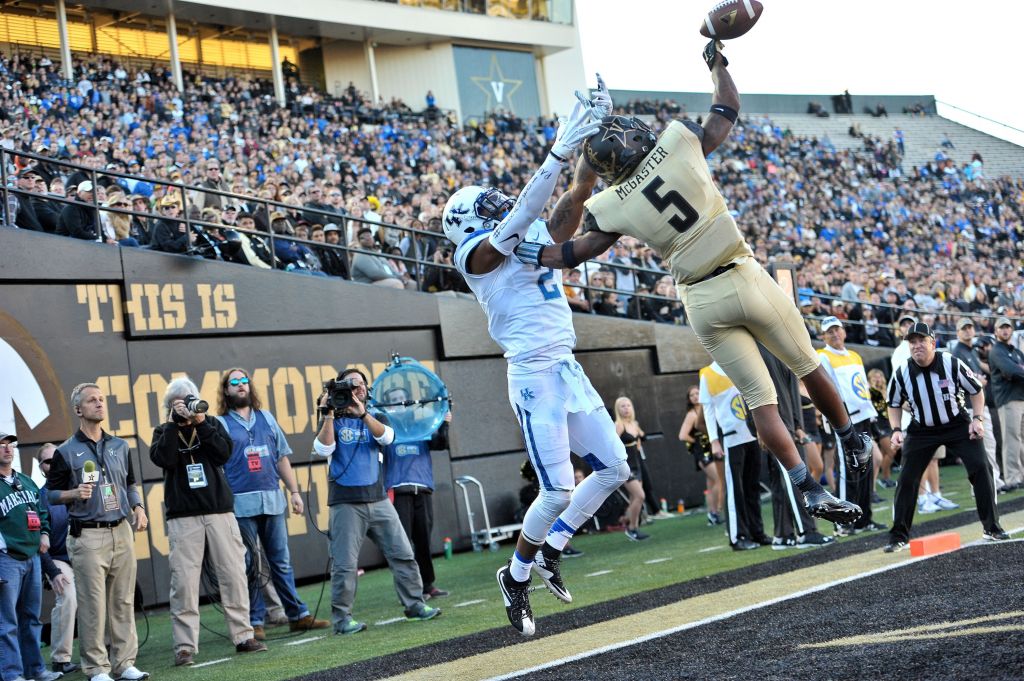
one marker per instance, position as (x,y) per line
(731,19)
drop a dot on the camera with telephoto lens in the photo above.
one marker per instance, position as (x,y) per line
(194,404)
(339,394)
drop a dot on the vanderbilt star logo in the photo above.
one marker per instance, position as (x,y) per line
(497,87)
(615,131)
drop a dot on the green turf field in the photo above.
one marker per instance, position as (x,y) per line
(680,549)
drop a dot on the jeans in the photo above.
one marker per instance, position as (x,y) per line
(271,531)
(20,600)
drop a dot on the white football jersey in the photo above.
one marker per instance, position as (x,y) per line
(527,313)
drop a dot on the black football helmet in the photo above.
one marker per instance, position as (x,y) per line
(618,147)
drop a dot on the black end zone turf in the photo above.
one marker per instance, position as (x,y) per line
(941,593)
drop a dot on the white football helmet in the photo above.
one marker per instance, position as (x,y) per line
(472,209)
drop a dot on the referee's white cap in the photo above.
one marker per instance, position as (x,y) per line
(829,322)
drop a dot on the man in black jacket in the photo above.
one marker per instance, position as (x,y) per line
(79,220)
(27,218)
(1007,364)
(171,235)
(192,450)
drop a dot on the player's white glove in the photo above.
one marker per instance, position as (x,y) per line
(601,99)
(574,129)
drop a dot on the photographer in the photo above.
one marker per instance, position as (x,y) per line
(191,450)
(353,438)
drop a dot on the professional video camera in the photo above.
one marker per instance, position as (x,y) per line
(194,405)
(339,394)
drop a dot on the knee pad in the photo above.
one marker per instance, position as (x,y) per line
(543,512)
(612,477)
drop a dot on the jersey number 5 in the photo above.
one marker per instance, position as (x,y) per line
(671,199)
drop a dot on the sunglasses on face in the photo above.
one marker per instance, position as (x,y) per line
(45,462)
(239,381)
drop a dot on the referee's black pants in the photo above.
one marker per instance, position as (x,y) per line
(743,491)
(918,449)
(416,512)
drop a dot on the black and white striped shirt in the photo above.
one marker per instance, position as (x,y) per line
(936,392)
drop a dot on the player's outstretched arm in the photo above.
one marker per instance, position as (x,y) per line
(725,105)
(570,253)
(565,219)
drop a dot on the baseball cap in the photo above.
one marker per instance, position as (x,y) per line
(830,322)
(1003,321)
(85,186)
(907,317)
(31,170)
(920,329)
(278,215)
(331,227)
(805,301)
(8,436)
(982,340)
(964,321)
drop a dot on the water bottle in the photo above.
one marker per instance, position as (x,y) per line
(664,505)
(447,548)
(679,507)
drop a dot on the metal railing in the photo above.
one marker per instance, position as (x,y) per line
(418,259)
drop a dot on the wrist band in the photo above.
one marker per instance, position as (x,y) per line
(364,415)
(978,418)
(529,252)
(568,255)
(725,111)
(897,429)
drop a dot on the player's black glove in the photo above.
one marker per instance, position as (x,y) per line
(712,53)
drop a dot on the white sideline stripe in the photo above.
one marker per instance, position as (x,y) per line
(711,548)
(599,573)
(465,603)
(207,664)
(879,508)
(304,640)
(655,560)
(390,621)
(707,620)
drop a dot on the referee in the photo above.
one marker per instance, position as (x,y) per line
(934,385)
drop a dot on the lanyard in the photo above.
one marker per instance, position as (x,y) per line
(191,445)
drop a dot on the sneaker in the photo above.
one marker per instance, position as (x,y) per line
(636,535)
(545,564)
(250,646)
(258,632)
(433,592)
(995,535)
(876,499)
(712,519)
(874,527)
(47,675)
(812,539)
(422,613)
(857,450)
(184,658)
(821,504)
(570,552)
(763,540)
(350,627)
(844,531)
(131,674)
(306,623)
(516,596)
(745,545)
(887,483)
(895,546)
(783,543)
(926,505)
(943,503)
(65,667)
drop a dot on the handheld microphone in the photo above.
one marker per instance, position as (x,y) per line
(89,472)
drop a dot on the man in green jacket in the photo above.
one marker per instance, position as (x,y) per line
(24,532)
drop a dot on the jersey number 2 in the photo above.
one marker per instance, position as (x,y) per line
(671,199)
(548,288)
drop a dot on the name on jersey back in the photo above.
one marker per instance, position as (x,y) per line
(653,161)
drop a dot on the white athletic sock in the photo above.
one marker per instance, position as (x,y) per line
(520,567)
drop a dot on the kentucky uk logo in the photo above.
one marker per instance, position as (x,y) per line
(527,394)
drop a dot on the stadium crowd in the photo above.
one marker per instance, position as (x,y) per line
(867,235)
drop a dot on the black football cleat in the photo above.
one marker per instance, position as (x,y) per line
(857,450)
(821,504)
(546,565)
(517,600)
